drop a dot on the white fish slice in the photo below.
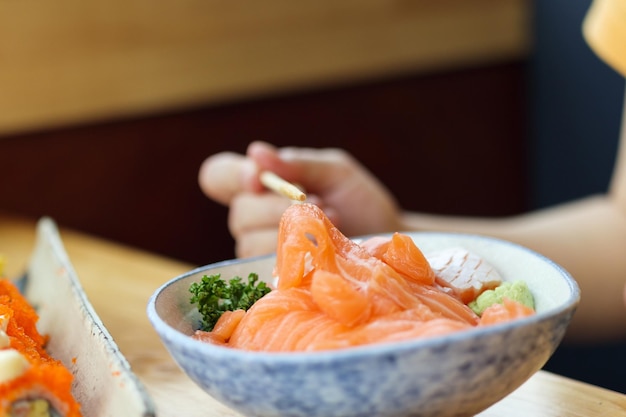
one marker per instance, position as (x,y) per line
(464,273)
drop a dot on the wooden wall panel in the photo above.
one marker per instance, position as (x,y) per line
(64,62)
(450,143)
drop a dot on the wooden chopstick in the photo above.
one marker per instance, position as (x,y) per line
(279,185)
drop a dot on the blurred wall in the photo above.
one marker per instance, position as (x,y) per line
(108,109)
(450,142)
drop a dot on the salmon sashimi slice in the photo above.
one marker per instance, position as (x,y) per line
(333,293)
(340,299)
(390,329)
(227,323)
(401,253)
(289,331)
(465,274)
(307,239)
(376,245)
(295,247)
(260,322)
(457,271)
(209,337)
(444,304)
(390,249)
(507,311)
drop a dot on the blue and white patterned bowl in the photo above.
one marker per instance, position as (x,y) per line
(455,375)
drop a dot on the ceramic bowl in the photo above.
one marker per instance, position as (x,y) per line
(459,374)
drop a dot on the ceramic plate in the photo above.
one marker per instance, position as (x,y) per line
(104,383)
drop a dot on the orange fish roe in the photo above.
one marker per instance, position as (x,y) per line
(38,376)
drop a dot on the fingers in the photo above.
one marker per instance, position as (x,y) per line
(349,195)
(317,170)
(264,154)
(257,243)
(267,158)
(224,175)
(253,221)
(255,211)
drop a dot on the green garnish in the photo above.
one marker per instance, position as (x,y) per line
(517,291)
(214,296)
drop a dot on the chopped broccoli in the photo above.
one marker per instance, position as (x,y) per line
(517,291)
(214,296)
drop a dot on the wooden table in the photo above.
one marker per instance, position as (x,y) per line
(110,271)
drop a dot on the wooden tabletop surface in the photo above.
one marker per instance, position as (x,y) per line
(109,271)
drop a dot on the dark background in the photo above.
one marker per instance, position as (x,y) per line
(576,104)
(575,108)
(450,143)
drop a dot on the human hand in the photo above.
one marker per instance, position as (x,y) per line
(354,200)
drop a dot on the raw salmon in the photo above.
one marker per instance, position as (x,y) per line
(332,293)
(227,323)
(507,311)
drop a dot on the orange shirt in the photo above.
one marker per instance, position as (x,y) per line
(604,29)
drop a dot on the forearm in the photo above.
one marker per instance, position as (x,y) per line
(586,237)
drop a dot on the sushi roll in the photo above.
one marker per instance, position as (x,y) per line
(32,383)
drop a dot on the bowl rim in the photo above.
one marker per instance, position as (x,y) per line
(320,357)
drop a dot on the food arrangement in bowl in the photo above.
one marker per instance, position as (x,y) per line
(423,324)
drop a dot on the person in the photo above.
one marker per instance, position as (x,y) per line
(587,236)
